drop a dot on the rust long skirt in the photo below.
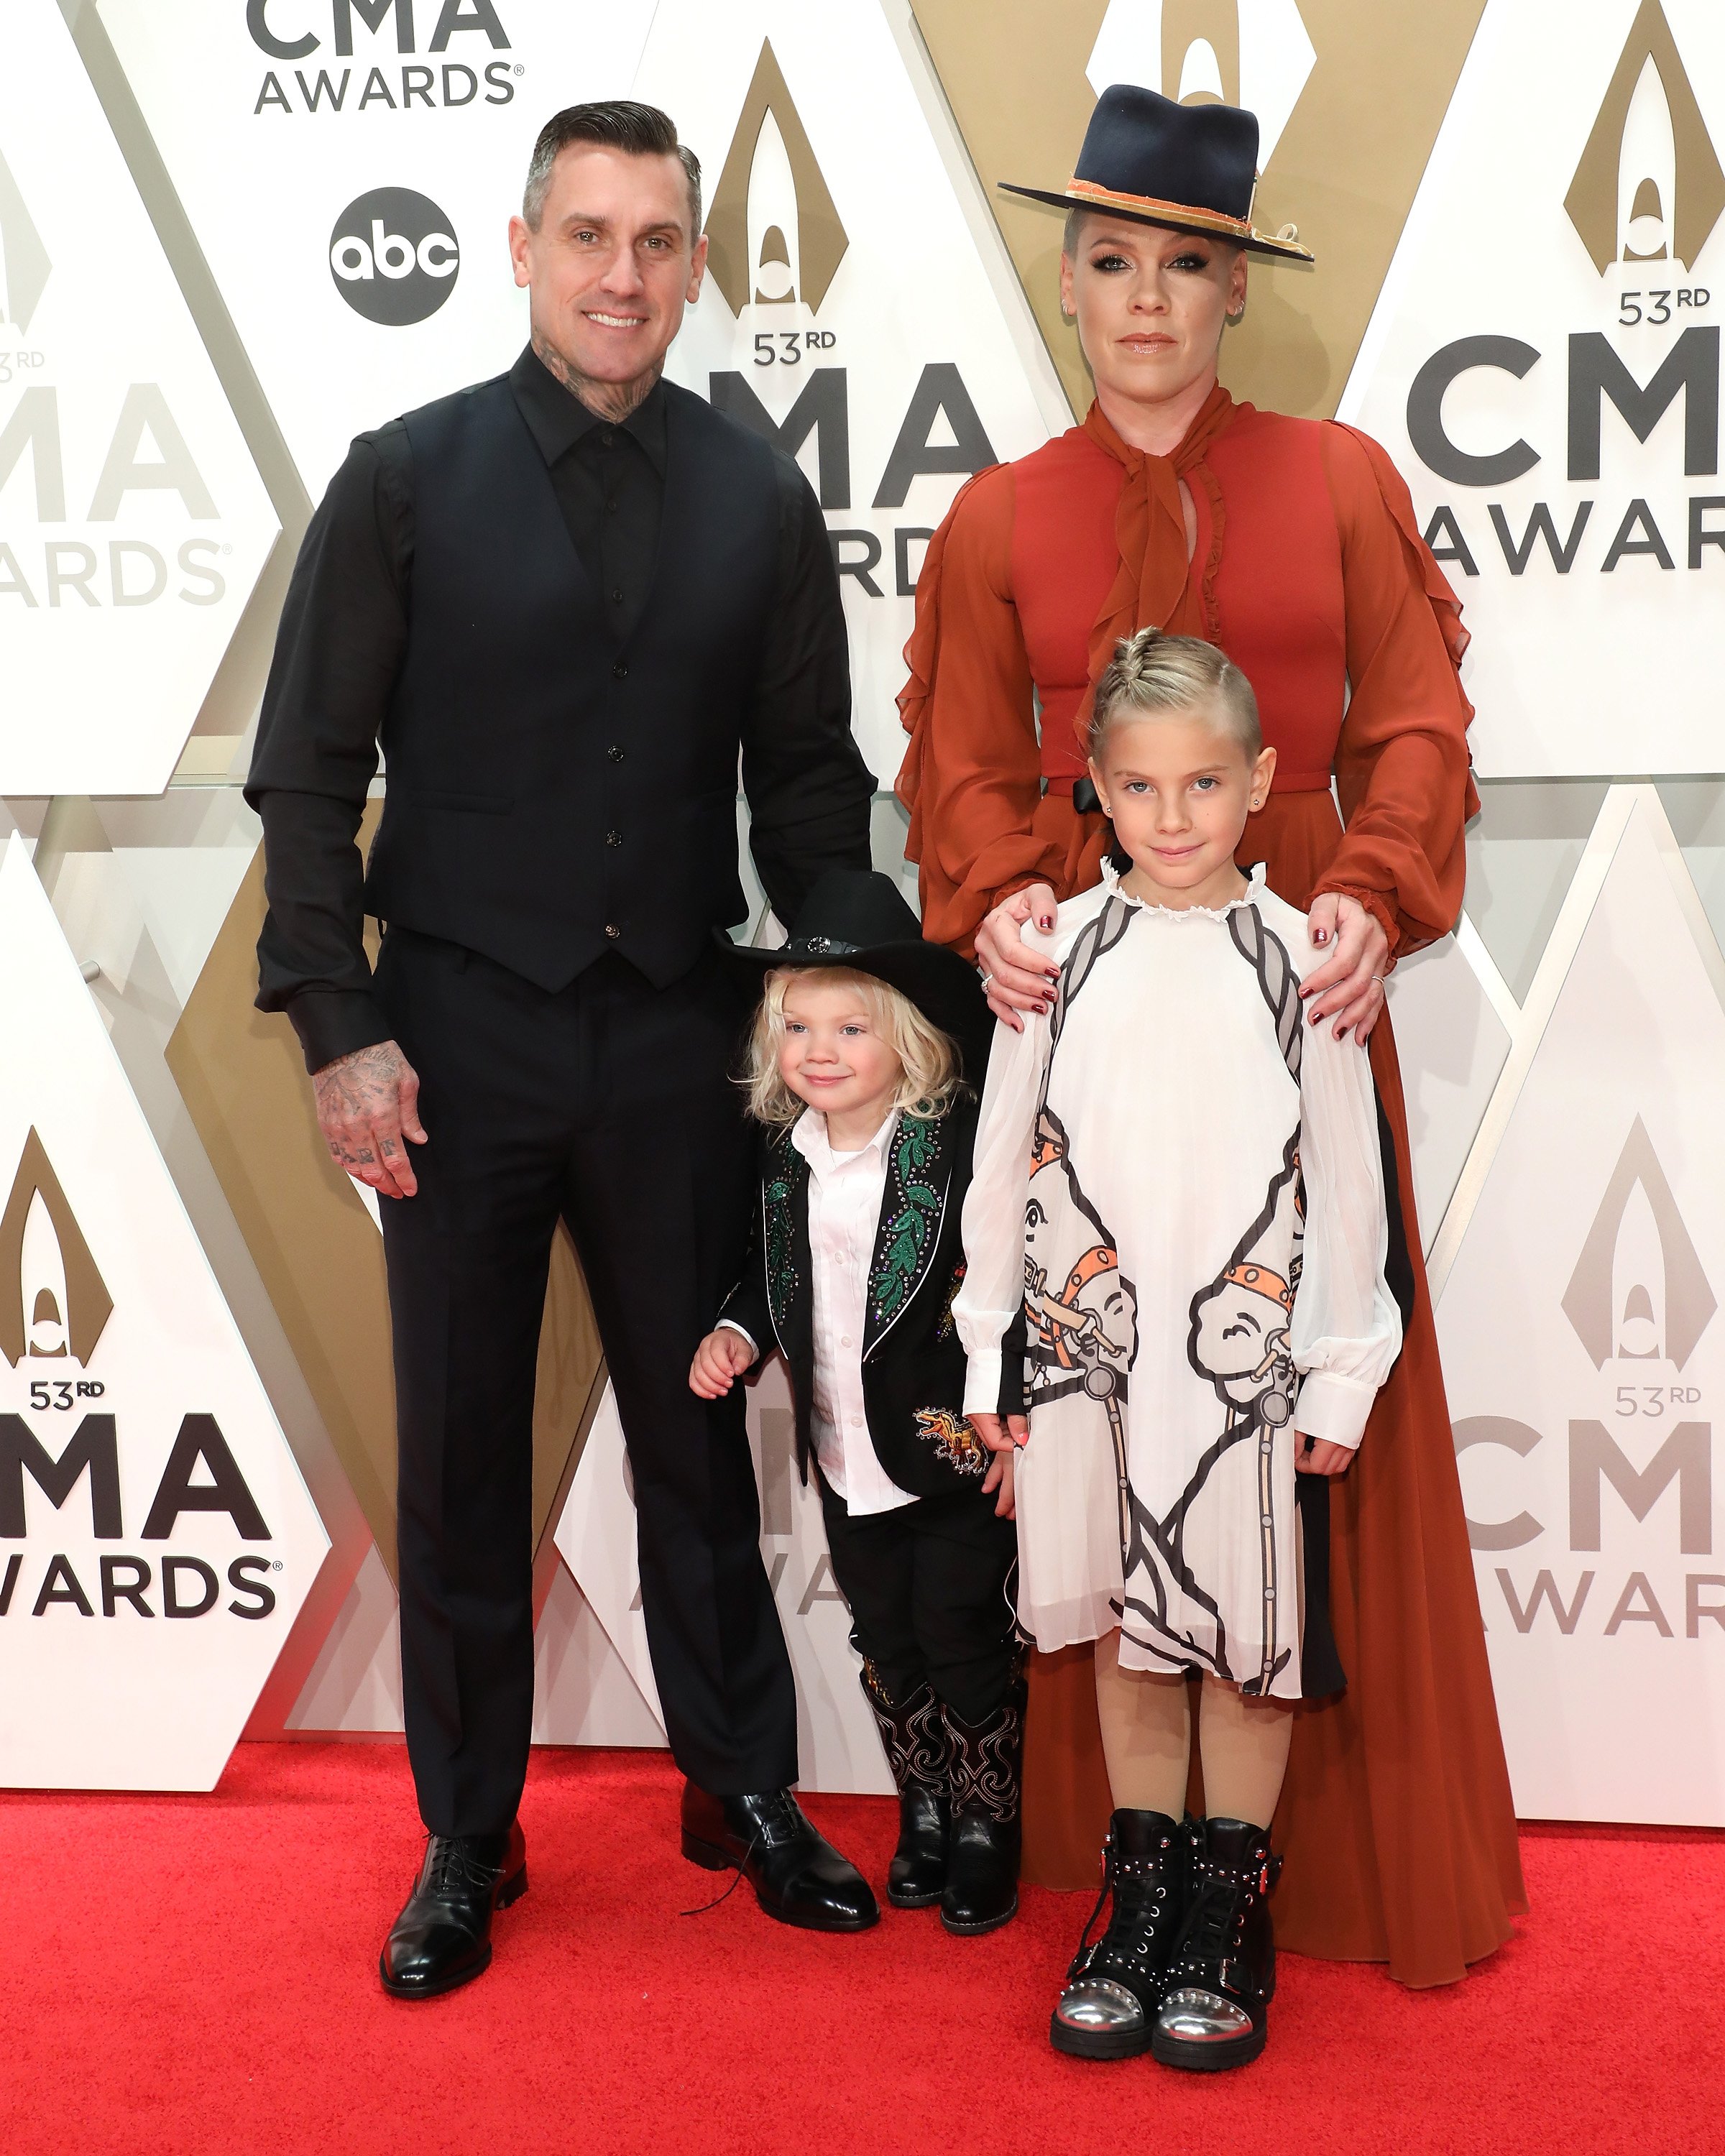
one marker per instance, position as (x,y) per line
(1396,1820)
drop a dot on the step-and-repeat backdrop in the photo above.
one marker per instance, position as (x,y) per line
(232,232)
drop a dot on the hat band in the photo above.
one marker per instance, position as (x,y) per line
(1210,220)
(821,947)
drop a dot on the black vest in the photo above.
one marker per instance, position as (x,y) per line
(553,794)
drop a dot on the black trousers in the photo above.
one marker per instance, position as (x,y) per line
(927,1586)
(609,1104)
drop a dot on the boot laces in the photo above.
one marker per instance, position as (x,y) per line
(1140,1911)
(1215,1915)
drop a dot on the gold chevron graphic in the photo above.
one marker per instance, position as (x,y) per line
(822,238)
(1698,185)
(88,1303)
(244,1083)
(1345,170)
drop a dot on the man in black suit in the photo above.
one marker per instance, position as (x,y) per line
(565,601)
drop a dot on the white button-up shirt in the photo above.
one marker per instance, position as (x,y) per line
(845,1193)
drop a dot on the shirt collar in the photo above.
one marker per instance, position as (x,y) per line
(557,420)
(808,1134)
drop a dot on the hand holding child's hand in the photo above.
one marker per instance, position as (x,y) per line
(1318,1455)
(722,1356)
(999,1477)
(1002,1434)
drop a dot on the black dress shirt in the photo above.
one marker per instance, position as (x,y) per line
(344,633)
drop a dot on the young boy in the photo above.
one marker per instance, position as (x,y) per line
(861,1046)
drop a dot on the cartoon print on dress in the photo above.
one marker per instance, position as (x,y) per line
(1239,1343)
(953,1439)
(1240,1335)
(1080,1313)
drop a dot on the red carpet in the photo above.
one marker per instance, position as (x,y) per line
(196,1974)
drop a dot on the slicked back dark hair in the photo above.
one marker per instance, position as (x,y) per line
(618,123)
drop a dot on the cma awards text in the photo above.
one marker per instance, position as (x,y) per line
(186,1585)
(822,412)
(289,30)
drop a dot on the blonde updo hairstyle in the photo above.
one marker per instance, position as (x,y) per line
(1151,676)
(931,1073)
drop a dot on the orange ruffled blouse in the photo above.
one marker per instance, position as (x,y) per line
(1308,570)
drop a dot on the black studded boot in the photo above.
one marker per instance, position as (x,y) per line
(1114,1986)
(1215,2006)
(982,1889)
(918,1753)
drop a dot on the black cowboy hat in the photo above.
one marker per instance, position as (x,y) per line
(1190,168)
(857,918)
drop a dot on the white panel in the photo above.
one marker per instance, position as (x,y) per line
(355,1684)
(1452,1018)
(1594,669)
(582,1692)
(839,1746)
(98,1691)
(1582,1347)
(911,290)
(133,522)
(440,103)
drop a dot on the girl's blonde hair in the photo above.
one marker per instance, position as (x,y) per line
(929,1057)
(1150,673)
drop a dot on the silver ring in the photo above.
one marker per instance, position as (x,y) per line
(1378,978)
(988,980)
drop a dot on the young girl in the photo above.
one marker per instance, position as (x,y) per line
(1180,1185)
(855,1071)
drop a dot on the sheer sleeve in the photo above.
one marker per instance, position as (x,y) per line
(1347,1330)
(971,774)
(1401,770)
(994,1290)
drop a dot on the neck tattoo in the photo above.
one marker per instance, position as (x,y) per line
(607,400)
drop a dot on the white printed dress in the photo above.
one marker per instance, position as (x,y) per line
(1179,1182)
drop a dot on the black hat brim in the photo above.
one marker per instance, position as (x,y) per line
(1254,242)
(942,985)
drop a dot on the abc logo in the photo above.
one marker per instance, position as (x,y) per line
(393,257)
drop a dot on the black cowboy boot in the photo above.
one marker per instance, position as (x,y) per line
(443,1936)
(797,1874)
(1114,1987)
(918,1753)
(1215,2007)
(981,1889)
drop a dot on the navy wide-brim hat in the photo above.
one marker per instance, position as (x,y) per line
(1189,168)
(858,919)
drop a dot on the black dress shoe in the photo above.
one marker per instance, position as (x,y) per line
(982,1888)
(797,1874)
(442,1937)
(920,1758)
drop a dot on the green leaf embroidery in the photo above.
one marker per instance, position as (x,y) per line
(910,1227)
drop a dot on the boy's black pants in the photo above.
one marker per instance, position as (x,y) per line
(928,1586)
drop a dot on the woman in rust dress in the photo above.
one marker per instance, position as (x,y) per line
(1291,544)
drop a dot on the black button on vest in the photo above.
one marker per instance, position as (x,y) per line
(509,785)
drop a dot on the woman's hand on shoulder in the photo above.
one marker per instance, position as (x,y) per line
(722,1356)
(1348,989)
(1015,978)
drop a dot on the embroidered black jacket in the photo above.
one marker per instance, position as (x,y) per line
(913,1364)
